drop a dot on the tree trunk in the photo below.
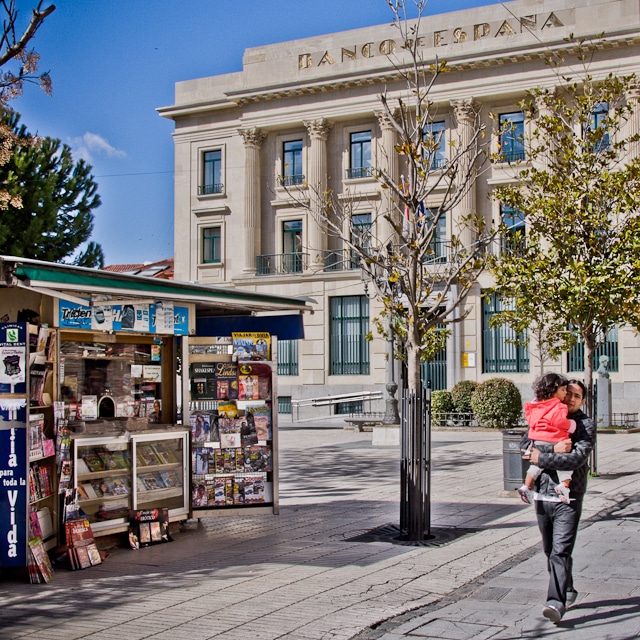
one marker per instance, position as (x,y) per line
(589,348)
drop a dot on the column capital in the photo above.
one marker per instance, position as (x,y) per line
(318,129)
(253,136)
(633,93)
(465,110)
(386,120)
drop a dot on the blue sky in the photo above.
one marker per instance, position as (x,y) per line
(113,62)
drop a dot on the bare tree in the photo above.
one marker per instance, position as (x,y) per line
(419,277)
(13,49)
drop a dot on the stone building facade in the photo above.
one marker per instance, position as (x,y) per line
(304,112)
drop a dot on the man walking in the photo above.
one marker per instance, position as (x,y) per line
(558,522)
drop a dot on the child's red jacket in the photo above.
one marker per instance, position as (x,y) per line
(548,420)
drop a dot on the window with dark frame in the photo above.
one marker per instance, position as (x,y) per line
(434,134)
(211,245)
(211,173)
(292,163)
(514,236)
(511,136)
(359,155)
(503,351)
(348,328)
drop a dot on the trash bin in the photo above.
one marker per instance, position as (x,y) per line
(514,467)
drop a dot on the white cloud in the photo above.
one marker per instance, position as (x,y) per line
(91,145)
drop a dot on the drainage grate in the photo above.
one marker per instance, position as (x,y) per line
(391,533)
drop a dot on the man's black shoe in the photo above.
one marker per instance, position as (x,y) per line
(553,612)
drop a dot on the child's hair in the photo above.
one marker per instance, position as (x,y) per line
(546,385)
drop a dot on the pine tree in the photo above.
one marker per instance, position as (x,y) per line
(58,196)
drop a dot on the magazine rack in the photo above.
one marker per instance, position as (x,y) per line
(234,432)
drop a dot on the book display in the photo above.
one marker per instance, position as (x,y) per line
(114,475)
(233,432)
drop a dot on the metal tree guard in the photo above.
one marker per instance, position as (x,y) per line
(415,469)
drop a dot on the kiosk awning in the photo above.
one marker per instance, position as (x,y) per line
(83,283)
(286,327)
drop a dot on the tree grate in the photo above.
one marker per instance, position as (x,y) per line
(391,533)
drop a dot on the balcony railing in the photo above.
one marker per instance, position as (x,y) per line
(281,264)
(290,181)
(438,163)
(208,189)
(512,155)
(359,172)
(441,252)
(340,260)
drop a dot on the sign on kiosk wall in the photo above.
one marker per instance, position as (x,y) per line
(13,482)
(161,317)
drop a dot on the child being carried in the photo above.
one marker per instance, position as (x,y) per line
(548,424)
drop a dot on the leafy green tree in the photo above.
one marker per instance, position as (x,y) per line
(58,196)
(575,274)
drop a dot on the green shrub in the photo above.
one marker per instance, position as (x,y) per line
(461,395)
(441,402)
(497,404)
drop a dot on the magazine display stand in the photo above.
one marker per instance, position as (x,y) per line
(234,434)
(28,500)
(119,473)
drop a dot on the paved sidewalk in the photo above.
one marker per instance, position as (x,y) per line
(298,576)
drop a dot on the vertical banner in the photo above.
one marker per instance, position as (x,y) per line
(13,482)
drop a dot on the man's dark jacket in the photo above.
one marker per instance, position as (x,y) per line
(583,439)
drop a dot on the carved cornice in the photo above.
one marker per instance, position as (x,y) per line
(252,137)
(318,129)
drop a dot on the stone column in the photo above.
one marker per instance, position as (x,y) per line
(388,161)
(251,226)
(632,127)
(317,181)
(465,112)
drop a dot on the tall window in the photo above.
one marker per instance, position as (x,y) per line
(439,242)
(292,163)
(292,246)
(211,245)
(598,127)
(511,136)
(360,155)
(503,350)
(211,172)
(575,357)
(513,220)
(287,357)
(360,236)
(348,328)
(434,134)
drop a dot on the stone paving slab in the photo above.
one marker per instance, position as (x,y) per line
(297,576)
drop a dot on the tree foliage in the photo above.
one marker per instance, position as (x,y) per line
(576,274)
(59,195)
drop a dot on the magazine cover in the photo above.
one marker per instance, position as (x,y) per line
(254,380)
(262,419)
(148,526)
(203,381)
(226,374)
(248,432)
(251,346)
(199,495)
(200,460)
